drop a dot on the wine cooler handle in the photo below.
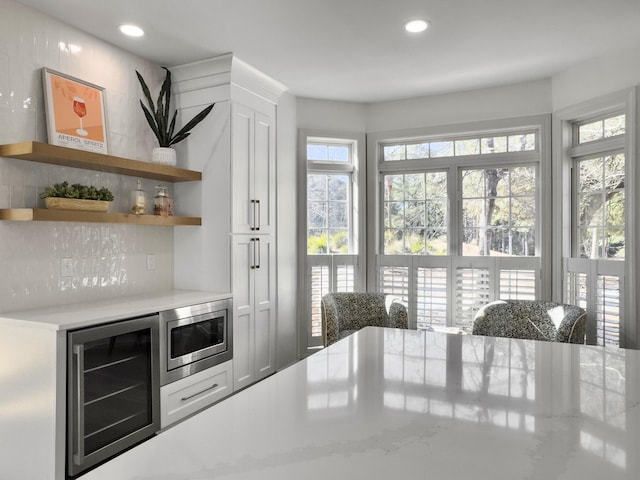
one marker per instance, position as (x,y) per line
(78,441)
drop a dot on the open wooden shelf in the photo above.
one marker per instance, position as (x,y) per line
(70,157)
(55,215)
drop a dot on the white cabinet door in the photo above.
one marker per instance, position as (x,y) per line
(264,173)
(253,155)
(243,311)
(254,319)
(264,302)
(242,156)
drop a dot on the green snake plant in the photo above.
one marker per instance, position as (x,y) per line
(157,114)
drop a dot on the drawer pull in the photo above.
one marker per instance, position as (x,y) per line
(184,399)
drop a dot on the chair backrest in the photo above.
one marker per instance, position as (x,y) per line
(531,319)
(346,312)
(360,309)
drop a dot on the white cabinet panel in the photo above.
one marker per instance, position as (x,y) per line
(264,297)
(242,159)
(243,310)
(253,155)
(195,392)
(264,173)
(254,324)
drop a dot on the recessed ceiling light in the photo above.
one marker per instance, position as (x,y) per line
(132,30)
(416,26)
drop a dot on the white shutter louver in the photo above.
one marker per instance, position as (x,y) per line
(432,297)
(319,287)
(608,310)
(472,292)
(517,285)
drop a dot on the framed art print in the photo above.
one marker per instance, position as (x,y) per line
(76,112)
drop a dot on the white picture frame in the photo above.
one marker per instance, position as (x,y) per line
(76,112)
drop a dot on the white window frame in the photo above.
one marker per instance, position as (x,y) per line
(563,130)
(307,342)
(541,262)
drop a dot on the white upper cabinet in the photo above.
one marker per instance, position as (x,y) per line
(253,165)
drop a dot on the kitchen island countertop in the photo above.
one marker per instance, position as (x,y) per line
(384,403)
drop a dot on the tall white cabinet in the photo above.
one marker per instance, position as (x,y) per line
(253,159)
(236,247)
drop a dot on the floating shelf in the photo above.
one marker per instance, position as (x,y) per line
(47,215)
(70,157)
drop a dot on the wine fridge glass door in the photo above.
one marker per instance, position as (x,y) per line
(113,389)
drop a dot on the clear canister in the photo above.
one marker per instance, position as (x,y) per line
(162,203)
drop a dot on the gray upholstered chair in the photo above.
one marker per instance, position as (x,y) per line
(345,313)
(532,320)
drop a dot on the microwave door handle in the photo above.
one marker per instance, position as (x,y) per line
(78,456)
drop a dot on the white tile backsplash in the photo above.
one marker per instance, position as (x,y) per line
(108,260)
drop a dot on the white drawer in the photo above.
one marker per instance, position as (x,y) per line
(195,392)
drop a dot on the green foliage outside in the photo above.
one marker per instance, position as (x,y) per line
(338,243)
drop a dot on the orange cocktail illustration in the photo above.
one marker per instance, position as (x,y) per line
(73,102)
(80,109)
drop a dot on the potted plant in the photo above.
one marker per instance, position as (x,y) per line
(77,197)
(157,116)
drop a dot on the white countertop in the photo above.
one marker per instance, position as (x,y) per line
(77,315)
(385,403)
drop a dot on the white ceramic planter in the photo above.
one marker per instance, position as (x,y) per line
(164,156)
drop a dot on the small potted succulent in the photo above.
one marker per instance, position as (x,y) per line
(157,116)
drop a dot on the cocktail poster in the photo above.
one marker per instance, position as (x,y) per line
(76,112)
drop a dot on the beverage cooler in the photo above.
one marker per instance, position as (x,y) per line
(113,390)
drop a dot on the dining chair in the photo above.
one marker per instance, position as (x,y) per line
(347,312)
(532,320)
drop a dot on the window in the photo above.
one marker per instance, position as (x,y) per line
(601,206)
(593,163)
(456,147)
(499,211)
(598,233)
(459,221)
(328,213)
(415,213)
(332,228)
(591,131)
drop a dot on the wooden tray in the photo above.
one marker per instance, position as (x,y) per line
(77,204)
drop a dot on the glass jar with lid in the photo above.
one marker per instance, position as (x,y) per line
(138,200)
(162,202)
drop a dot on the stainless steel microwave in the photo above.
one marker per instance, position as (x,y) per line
(194,338)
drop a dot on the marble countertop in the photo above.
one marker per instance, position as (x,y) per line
(78,315)
(423,405)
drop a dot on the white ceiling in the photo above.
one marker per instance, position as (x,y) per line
(356,50)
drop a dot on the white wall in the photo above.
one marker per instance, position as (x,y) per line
(519,100)
(596,77)
(287,200)
(109,260)
(330,115)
